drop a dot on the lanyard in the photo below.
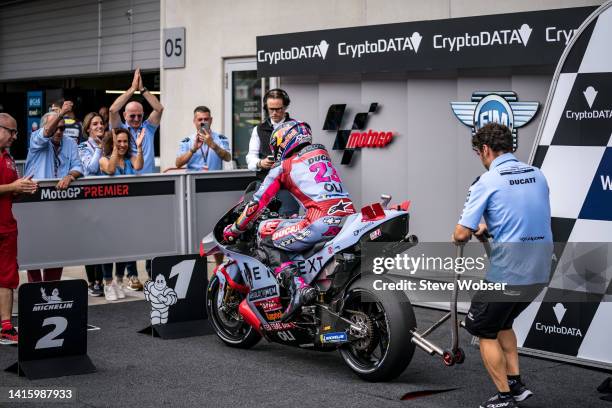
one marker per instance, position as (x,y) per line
(205,156)
(56,159)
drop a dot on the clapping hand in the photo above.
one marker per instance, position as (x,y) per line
(136,81)
(140,138)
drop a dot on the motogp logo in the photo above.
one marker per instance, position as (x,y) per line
(500,107)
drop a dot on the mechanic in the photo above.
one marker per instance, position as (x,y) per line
(514,213)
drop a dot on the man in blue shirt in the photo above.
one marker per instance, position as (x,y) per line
(513,198)
(52,155)
(134,115)
(203,149)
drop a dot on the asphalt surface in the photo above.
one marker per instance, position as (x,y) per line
(136,370)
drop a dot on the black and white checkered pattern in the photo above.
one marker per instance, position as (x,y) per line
(574,151)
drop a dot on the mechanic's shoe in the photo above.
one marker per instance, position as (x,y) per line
(9,335)
(499,401)
(301,295)
(519,391)
(134,284)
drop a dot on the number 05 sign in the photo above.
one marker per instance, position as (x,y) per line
(173,47)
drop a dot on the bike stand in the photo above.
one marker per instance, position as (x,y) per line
(454,355)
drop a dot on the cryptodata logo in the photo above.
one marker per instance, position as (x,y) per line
(294,53)
(500,107)
(484,39)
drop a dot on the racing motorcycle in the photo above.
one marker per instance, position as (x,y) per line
(371,330)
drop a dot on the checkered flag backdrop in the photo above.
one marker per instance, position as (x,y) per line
(574,151)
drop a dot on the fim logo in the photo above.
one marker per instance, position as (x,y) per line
(500,107)
(52,301)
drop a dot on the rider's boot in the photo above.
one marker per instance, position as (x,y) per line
(301,293)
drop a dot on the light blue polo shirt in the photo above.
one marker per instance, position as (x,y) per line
(148,145)
(43,162)
(513,198)
(204,156)
(90,155)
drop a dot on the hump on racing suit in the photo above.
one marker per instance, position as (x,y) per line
(314,182)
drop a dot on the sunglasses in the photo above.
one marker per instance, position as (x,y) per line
(134,116)
(12,131)
(276,109)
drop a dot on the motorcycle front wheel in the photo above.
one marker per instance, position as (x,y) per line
(388,318)
(226,321)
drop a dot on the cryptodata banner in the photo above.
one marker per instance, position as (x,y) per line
(505,40)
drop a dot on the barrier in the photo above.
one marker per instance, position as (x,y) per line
(209,196)
(114,219)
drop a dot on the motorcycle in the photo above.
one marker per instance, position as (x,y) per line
(372,332)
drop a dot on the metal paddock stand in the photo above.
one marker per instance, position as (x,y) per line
(455,354)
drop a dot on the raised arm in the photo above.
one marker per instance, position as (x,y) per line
(114,118)
(109,165)
(158,108)
(138,161)
(51,125)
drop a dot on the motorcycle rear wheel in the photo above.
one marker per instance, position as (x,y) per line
(387,351)
(232,331)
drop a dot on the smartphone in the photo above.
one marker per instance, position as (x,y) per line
(206,126)
(271,158)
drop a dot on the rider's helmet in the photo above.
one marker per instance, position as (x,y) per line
(288,138)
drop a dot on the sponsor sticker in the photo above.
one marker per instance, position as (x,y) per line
(336,337)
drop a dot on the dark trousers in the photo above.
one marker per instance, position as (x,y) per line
(99,272)
(48,274)
(131,268)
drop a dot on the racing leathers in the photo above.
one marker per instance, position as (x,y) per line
(312,179)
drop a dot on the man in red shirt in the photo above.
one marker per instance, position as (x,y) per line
(10,185)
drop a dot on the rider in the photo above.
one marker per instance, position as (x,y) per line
(306,171)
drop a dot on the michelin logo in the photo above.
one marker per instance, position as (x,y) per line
(338,337)
(396,44)
(294,53)
(484,39)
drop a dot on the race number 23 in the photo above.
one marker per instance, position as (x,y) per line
(321,168)
(51,340)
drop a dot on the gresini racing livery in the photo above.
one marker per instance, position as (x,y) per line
(370,329)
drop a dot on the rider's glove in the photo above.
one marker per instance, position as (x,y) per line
(230,233)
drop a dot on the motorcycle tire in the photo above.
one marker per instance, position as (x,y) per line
(239,334)
(392,335)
